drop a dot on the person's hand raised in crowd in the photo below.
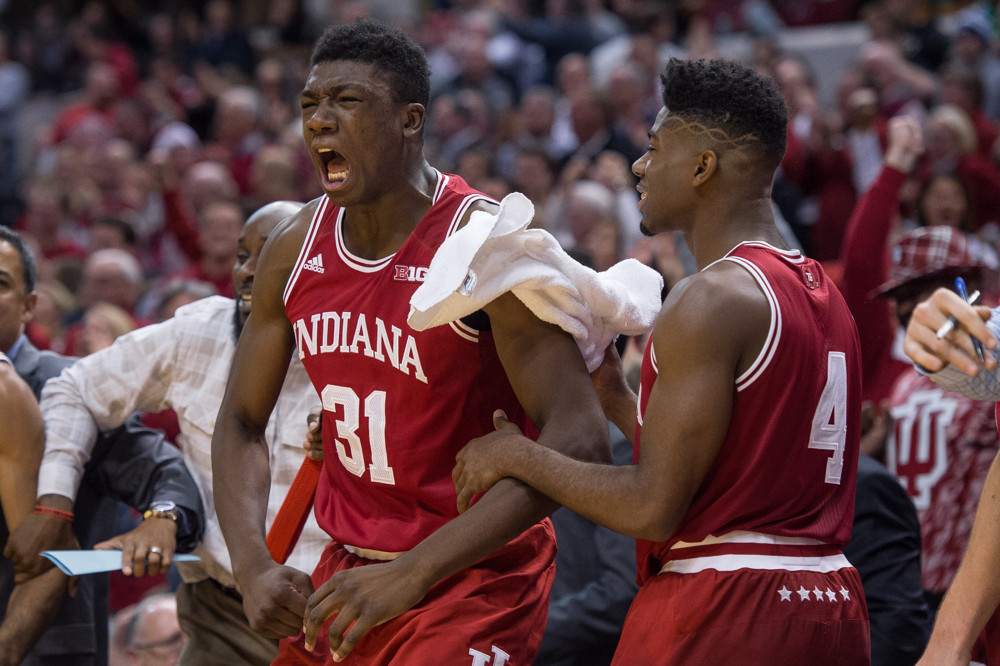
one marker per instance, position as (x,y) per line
(906,143)
(923,346)
(38,532)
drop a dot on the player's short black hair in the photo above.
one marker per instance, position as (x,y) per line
(731,97)
(29,268)
(384,46)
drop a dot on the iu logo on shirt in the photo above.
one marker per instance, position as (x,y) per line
(498,658)
(810,277)
(409,273)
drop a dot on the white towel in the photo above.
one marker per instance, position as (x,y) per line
(497,253)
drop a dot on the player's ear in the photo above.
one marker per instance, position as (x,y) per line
(708,163)
(413,119)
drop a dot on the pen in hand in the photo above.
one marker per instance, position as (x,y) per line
(952,322)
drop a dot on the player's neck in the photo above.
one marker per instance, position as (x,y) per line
(723,230)
(377,230)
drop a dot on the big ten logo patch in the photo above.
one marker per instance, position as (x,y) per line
(498,658)
(409,273)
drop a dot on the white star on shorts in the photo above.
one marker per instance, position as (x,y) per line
(786,594)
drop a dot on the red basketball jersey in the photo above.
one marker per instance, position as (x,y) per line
(788,464)
(398,404)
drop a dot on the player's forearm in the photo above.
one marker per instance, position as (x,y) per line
(609,495)
(975,592)
(32,608)
(509,507)
(241,483)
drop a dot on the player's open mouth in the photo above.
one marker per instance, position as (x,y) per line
(244,301)
(335,169)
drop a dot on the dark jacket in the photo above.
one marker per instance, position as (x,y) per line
(131,464)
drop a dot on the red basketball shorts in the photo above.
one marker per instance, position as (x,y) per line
(749,617)
(491,614)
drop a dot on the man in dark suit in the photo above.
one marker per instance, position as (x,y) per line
(131,464)
(885,549)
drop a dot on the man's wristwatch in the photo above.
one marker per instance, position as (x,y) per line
(162,509)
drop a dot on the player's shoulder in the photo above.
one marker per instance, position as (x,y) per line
(14,391)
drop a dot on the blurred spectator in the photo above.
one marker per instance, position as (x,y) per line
(98,43)
(963,87)
(533,132)
(236,132)
(219,226)
(54,304)
(93,112)
(911,26)
(44,48)
(561,28)
(972,47)
(46,223)
(112,232)
(102,323)
(149,634)
(223,44)
(943,200)
(535,176)
(273,177)
(476,72)
(15,83)
(178,293)
(951,147)
(597,130)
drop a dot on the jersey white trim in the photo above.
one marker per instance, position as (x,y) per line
(462,208)
(793,256)
(823,564)
(465,331)
(352,260)
(638,398)
(774,329)
(314,225)
(442,184)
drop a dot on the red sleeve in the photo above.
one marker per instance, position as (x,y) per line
(865,260)
(178,221)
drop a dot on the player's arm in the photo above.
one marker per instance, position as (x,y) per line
(711,325)
(975,592)
(274,596)
(34,604)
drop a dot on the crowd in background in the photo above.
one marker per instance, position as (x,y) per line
(135,137)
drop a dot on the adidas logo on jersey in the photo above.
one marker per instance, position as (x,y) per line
(314,264)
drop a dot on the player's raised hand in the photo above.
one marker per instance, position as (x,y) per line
(478,466)
(927,350)
(359,599)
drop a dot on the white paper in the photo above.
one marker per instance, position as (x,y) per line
(80,562)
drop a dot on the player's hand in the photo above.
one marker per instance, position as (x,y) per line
(609,380)
(479,465)
(148,549)
(314,437)
(360,598)
(923,346)
(34,534)
(274,599)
